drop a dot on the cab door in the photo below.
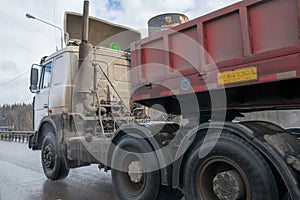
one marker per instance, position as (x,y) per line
(41,102)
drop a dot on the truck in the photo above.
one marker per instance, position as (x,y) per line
(93,102)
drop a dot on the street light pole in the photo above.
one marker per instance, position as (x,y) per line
(61,32)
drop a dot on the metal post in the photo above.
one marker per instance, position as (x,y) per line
(85,48)
(85,22)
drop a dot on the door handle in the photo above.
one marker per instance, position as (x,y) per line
(45,106)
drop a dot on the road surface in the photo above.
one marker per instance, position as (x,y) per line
(22,178)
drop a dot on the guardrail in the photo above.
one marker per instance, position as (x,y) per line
(16,136)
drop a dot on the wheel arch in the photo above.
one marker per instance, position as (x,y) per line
(142,132)
(253,132)
(51,123)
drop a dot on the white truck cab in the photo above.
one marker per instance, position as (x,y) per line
(54,88)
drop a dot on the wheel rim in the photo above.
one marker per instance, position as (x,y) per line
(48,156)
(131,176)
(135,171)
(222,178)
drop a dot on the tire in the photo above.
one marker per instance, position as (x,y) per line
(52,159)
(286,196)
(167,193)
(147,185)
(233,169)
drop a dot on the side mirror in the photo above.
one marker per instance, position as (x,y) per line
(34,77)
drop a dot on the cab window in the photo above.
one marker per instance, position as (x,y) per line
(46,76)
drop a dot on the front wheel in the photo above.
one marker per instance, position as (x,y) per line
(132,176)
(232,169)
(52,158)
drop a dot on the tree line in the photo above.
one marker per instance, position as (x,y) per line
(17,117)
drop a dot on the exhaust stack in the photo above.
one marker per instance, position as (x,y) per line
(85,48)
(85,22)
(86,73)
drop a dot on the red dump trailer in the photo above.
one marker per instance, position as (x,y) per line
(242,58)
(249,49)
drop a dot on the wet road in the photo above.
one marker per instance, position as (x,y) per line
(22,178)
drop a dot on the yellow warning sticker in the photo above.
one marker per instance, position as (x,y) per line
(239,75)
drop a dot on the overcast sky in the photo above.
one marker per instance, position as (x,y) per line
(24,41)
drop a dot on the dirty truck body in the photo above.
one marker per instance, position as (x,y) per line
(91,104)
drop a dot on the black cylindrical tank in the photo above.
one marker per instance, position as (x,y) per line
(165,21)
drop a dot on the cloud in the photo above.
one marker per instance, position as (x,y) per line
(12,87)
(8,66)
(14,92)
(136,13)
(114,5)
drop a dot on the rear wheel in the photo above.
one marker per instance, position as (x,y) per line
(52,158)
(286,196)
(233,169)
(133,175)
